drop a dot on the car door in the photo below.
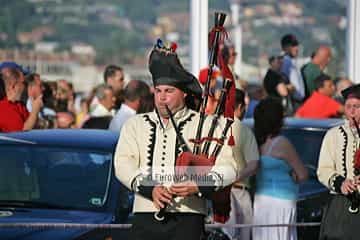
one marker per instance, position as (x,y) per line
(312,194)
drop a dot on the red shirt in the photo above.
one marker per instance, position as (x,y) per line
(12,115)
(318,106)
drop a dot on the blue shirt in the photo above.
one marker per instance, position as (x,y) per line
(290,69)
(124,113)
(251,108)
(274,179)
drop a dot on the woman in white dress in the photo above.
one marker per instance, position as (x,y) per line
(280,172)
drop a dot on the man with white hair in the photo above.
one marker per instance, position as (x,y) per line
(106,101)
(103,112)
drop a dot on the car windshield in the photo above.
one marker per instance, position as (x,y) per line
(44,176)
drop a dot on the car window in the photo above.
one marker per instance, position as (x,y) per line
(307,144)
(63,177)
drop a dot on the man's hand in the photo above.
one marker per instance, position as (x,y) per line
(37,104)
(348,186)
(184,189)
(161,195)
(290,87)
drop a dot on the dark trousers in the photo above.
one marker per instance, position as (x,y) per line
(338,223)
(176,226)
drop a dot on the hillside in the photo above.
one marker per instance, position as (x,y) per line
(122,30)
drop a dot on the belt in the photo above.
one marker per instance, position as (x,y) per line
(242,187)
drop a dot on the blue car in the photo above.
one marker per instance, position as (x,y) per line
(306,135)
(61,176)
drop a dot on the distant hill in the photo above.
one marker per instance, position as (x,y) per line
(121,31)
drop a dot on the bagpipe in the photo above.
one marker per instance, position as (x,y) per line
(200,158)
(354,197)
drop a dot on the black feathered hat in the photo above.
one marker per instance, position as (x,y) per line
(351,92)
(166,69)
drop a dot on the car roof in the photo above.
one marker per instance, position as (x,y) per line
(304,123)
(73,138)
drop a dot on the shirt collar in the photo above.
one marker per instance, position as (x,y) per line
(5,99)
(127,109)
(181,114)
(101,111)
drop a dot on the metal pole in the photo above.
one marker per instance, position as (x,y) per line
(353,41)
(237,34)
(198,35)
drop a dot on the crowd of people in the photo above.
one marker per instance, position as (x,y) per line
(29,102)
(305,92)
(148,138)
